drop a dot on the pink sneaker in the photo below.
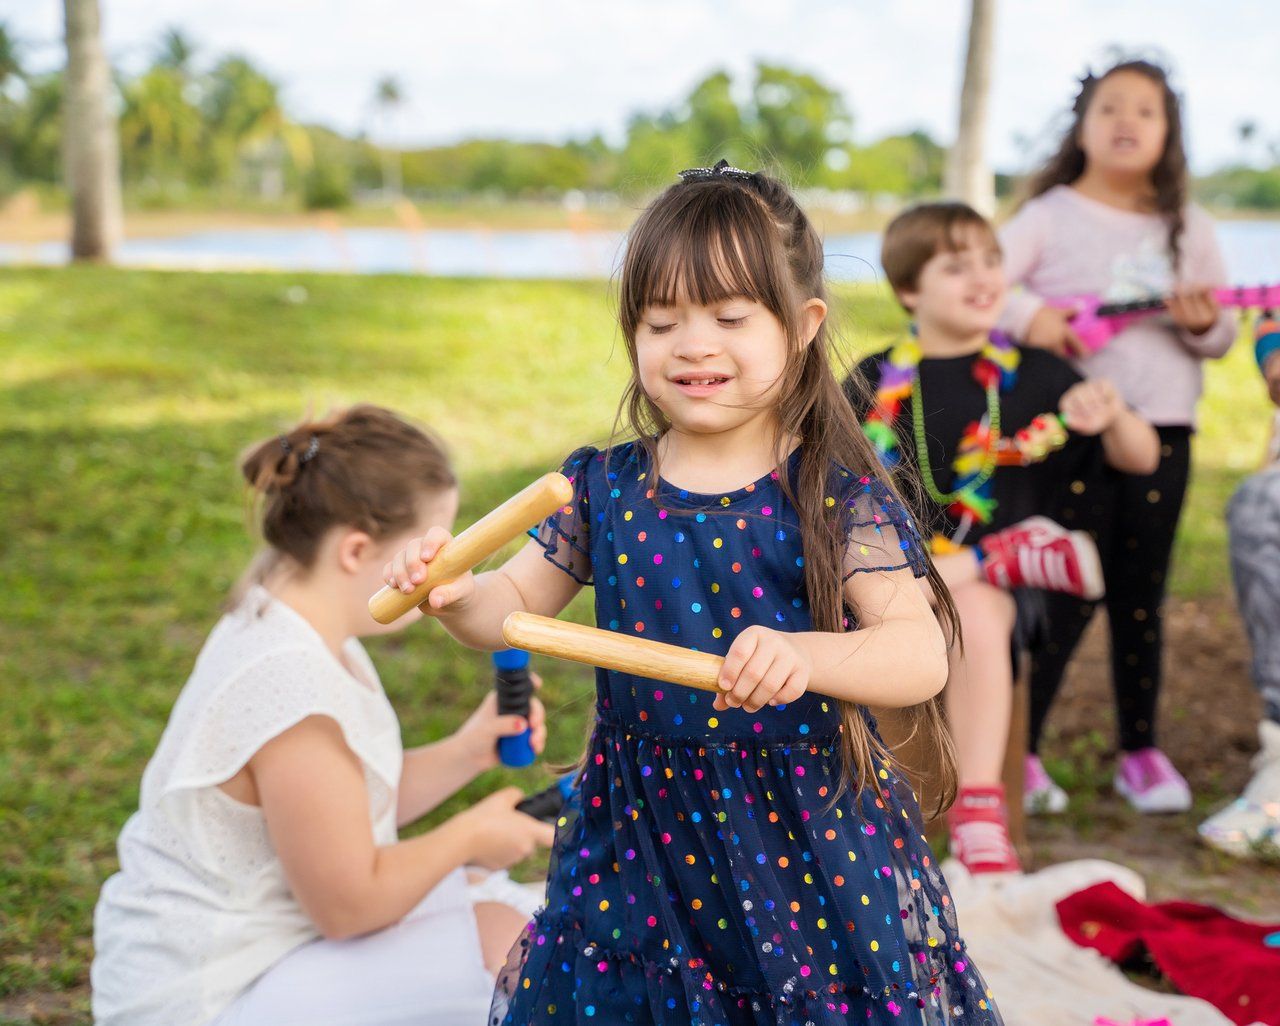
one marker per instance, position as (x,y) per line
(1037,553)
(1150,783)
(1040,795)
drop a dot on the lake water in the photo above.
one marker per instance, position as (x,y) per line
(1251,249)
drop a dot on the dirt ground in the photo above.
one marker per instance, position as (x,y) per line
(1209,713)
(1208,724)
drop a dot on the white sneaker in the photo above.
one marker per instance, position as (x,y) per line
(1041,796)
(1252,821)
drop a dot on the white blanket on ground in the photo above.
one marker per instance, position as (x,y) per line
(1037,975)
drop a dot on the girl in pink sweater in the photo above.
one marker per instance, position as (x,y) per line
(1109,215)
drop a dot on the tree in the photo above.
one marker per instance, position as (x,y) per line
(1246,131)
(91,149)
(176,50)
(899,165)
(11,71)
(247,123)
(10,58)
(968,176)
(715,124)
(388,97)
(657,147)
(798,120)
(161,130)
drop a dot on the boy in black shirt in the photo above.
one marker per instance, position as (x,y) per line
(1002,430)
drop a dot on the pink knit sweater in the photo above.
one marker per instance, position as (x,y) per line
(1063,243)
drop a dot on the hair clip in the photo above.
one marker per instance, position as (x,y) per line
(313,447)
(722,169)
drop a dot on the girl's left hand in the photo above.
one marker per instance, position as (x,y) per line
(477,738)
(1194,309)
(1090,407)
(763,667)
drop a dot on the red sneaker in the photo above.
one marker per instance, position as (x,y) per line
(1037,553)
(978,824)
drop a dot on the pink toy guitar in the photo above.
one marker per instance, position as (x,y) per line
(1097,323)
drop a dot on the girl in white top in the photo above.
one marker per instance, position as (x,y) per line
(261,880)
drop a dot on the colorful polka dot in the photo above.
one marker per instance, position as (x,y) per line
(686,809)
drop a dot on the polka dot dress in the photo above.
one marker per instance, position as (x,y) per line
(710,869)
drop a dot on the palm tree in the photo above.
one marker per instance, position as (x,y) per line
(159,122)
(388,97)
(10,58)
(11,71)
(247,120)
(176,50)
(91,149)
(1246,130)
(968,176)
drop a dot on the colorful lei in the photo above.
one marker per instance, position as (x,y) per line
(982,447)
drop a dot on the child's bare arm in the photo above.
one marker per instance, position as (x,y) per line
(897,657)
(311,788)
(431,773)
(473,607)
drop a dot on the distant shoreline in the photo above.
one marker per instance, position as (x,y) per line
(26,226)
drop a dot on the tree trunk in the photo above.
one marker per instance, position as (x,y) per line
(968,176)
(91,149)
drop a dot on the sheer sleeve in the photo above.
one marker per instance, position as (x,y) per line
(565,536)
(882,534)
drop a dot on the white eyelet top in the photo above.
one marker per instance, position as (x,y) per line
(201,907)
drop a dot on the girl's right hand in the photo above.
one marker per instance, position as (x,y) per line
(409,569)
(497,835)
(1051,329)
(1271,373)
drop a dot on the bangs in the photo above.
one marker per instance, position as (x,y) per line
(953,237)
(918,234)
(708,244)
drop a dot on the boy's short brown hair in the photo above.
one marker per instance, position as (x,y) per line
(920,233)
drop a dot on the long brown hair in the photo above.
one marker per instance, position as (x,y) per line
(1168,177)
(362,467)
(724,236)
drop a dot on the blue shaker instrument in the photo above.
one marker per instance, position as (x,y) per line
(514,687)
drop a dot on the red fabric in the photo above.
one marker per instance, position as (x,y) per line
(1204,952)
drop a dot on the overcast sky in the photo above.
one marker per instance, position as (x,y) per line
(551,69)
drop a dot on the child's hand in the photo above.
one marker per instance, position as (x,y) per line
(409,569)
(1091,407)
(477,738)
(496,835)
(763,667)
(1271,372)
(1051,329)
(1194,308)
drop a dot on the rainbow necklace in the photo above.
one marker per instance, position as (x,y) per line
(982,448)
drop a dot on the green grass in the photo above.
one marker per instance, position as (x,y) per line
(124,400)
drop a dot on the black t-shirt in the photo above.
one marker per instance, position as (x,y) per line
(953,400)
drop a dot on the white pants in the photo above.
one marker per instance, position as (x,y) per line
(427,970)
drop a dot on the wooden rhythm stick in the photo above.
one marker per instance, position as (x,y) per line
(621,652)
(477,543)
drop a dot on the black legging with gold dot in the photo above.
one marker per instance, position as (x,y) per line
(1134,519)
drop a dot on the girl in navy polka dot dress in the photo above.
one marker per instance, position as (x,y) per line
(753,856)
